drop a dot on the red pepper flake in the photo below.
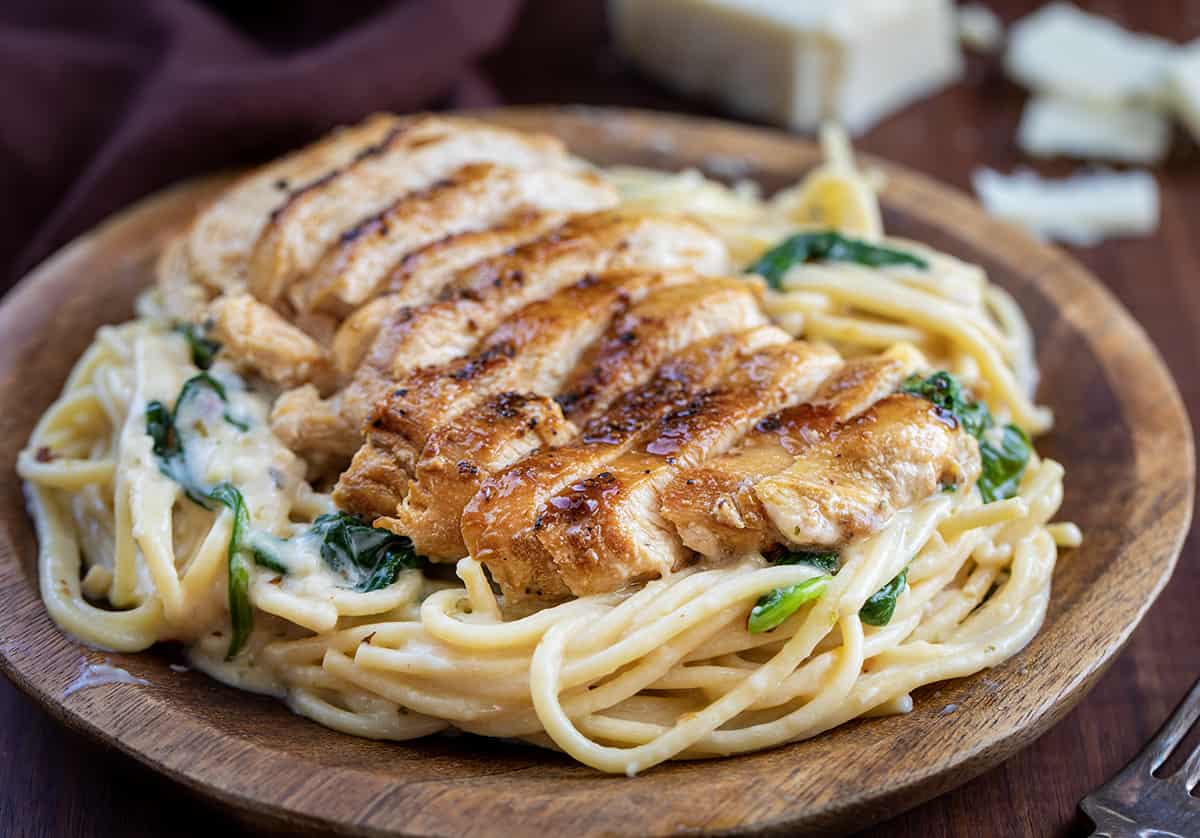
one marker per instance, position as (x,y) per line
(367,639)
(44,454)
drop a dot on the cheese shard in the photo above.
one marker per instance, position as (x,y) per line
(795,63)
(1080,210)
(979,28)
(1063,50)
(1052,125)
(1185,86)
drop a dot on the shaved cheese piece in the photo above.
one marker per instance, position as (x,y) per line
(1063,50)
(794,63)
(1053,126)
(979,28)
(1080,210)
(1185,86)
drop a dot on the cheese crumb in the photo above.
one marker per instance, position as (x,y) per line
(1080,210)
(979,28)
(1051,125)
(1063,50)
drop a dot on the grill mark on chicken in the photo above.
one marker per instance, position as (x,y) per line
(473,198)
(605,532)
(486,294)
(221,238)
(533,349)
(411,157)
(422,274)
(733,309)
(713,507)
(500,522)
(482,296)
(850,483)
(637,342)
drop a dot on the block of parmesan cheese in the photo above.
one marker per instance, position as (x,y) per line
(796,63)
(1080,210)
(1185,86)
(1063,50)
(979,28)
(1052,126)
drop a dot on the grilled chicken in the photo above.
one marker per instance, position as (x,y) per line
(499,524)
(533,349)
(604,532)
(182,299)
(459,456)
(713,507)
(486,294)
(849,484)
(420,275)
(664,323)
(536,354)
(475,197)
(258,337)
(412,157)
(221,238)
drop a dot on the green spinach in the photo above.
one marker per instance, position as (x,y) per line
(204,349)
(881,605)
(369,558)
(825,246)
(1003,451)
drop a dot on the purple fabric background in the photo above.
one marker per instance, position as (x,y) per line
(107,100)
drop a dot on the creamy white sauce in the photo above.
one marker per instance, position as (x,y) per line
(99,675)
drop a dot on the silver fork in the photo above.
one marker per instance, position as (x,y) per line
(1136,804)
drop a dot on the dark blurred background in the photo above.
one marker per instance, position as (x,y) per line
(104,101)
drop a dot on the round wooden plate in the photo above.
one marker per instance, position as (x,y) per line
(1121,432)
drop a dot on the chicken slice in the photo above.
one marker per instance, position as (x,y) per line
(488,293)
(422,274)
(221,238)
(850,483)
(713,507)
(724,305)
(412,157)
(460,455)
(258,337)
(533,349)
(638,341)
(475,197)
(605,532)
(499,524)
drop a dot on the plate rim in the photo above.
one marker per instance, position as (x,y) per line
(920,786)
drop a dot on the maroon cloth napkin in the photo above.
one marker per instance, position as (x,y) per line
(104,101)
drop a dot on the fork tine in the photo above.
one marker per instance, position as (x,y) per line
(1168,736)
(1190,773)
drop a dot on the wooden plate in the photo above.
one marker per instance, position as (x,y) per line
(1122,434)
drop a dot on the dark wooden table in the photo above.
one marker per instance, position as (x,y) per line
(56,783)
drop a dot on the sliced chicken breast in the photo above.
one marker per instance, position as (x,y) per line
(475,197)
(713,507)
(221,238)
(459,456)
(533,349)
(414,157)
(636,343)
(499,524)
(605,532)
(488,293)
(850,483)
(724,305)
(422,274)
(257,336)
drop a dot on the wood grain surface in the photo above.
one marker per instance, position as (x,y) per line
(53,782)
